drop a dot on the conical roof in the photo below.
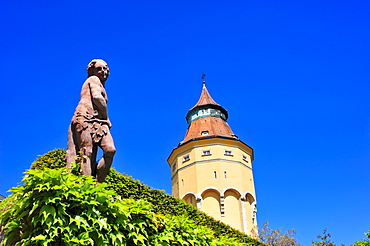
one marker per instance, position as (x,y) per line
(205,98)
(207,119)
(207,127)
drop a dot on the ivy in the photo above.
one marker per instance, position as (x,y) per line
(56,207)
(165,204)
(52,159)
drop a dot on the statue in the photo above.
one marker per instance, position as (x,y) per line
(90,126)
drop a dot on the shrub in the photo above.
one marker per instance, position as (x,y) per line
(161,203)
(165,204)
(52,159)
(56,207)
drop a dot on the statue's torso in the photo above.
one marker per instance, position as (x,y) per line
(86,110)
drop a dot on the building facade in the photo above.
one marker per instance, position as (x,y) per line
(212,168)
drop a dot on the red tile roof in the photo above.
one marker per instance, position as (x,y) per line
(214,125)
(205,98)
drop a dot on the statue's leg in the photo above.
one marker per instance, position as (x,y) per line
(93,162)
(87,152)
(71,151)
(107,145)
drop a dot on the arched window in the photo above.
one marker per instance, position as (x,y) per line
(190,198)
(251,208)
(211,203)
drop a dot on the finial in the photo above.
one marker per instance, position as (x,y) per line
(203,78)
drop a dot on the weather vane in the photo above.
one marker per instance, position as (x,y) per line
(203,78)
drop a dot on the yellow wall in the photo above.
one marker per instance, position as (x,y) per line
(211,203)
(233,213)
(220,181)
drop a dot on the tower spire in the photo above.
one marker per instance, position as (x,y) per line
(207,118)
(203,80)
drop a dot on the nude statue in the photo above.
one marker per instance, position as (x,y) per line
(90,126)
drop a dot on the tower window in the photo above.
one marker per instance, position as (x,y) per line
(204,133)
(185,158)
(215,174)
(182,182)
(225,175)
(245,158)
(228,152)
(174,167)
(206,152)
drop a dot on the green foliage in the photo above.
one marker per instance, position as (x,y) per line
(323,240)
(6,202)
(179,230)
(165,204)
(53,159)
(172,212)
(275,237)
(365,242)
(56,207)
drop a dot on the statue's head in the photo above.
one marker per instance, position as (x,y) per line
(99,68)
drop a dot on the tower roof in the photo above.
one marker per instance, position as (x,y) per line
(205,98)
(207,119)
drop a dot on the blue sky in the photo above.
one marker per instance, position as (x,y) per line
(293,75)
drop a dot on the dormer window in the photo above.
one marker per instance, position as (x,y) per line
(228,152)
(204,133)
(206,152)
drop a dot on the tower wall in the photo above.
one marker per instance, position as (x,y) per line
(215,175)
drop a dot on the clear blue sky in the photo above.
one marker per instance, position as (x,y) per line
(294,76)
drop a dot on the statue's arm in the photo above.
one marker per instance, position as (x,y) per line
(98,98)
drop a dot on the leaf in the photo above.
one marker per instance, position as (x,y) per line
(81,220)
(38,237)
(102,223)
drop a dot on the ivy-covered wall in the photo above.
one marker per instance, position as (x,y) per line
(162,203)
